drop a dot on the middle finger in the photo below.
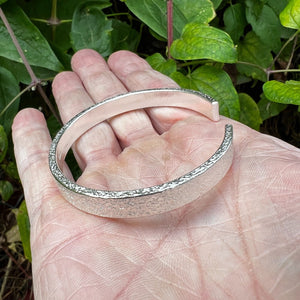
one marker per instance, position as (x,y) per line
(101,83)
(91,82)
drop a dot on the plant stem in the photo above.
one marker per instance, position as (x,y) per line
(65,21)
(139,36)
(16,263)
(53,20)
(170,25)
(49,22)
(14,99)
(283,71)
(54,9)
(39,20)
(7,271)
(117,14)
(46,99)
(282,48)
(19,49)
(292,53)
(194,62)
(34,80)
(251,65)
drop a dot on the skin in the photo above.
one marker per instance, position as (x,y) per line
(240,241)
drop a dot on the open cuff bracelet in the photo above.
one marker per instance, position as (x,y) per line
(149,200)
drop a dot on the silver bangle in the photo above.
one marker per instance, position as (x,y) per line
(150,200)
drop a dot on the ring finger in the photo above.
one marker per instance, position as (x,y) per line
(136,74)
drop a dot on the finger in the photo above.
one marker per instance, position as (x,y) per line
(70,95)
(31,145)
(101,83)
(97,144)
(136,74)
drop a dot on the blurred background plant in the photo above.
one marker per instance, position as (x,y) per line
(244,53)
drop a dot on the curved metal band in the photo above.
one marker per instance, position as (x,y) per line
(144,201)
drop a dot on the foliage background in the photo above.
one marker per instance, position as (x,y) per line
(244,53)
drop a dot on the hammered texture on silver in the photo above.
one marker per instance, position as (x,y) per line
(152,200)
(144,201)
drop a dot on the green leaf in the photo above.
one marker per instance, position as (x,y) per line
(215,83)
(6,190)
(157,36)
(216,3)
(250,114)
(204,42)
(154,13)
(13,236)
(21,74)
(9,88)
(63,56)
(24,228)
(287,93)
(11,170)
(2,1)
(235,21)
(160,64)
(290,16)
(91,28)
(255,6)
(59,35)
(34,45)
(266,25)
(185,82)
(277,6)
(3,143)
(252,51)
(123,36)
(269,109)
(198,11)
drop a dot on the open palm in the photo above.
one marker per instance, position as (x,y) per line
(240,241)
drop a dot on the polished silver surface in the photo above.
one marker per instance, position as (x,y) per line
(150,200)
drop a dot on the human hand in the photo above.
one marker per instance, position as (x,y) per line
(239,241)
